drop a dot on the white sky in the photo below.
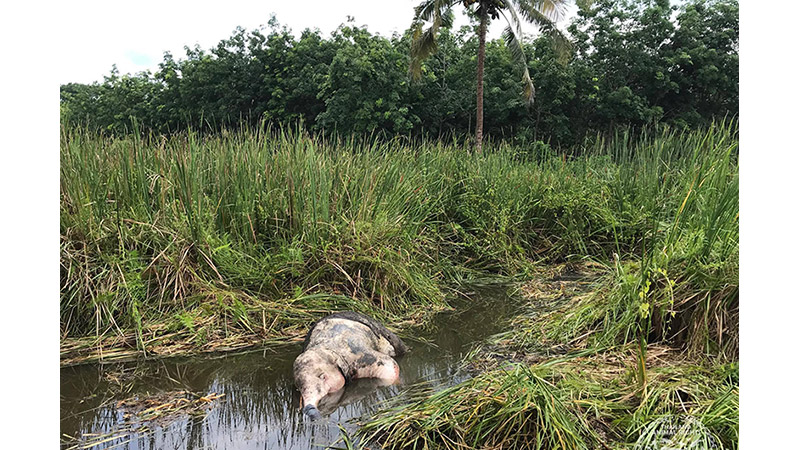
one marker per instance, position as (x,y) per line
(134,35)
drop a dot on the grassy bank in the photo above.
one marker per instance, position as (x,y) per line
(531,392)
(642,353)
(194,243)
(574,402)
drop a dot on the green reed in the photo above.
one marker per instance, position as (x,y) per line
(512,408)
(156,226)
(582,400)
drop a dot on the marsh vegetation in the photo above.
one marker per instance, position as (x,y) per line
(203,243)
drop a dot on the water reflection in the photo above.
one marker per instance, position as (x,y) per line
(260,407)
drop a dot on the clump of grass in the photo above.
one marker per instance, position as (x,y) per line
(607,388)
(221,228)
(681,287)
(698,310)
(595,398)
(214,320)
(722,416)
(682,432)
(511,408)
(545,295)
(346,440)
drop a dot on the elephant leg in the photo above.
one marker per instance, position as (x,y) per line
(374,364)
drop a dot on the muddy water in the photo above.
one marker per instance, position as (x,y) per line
(259,409)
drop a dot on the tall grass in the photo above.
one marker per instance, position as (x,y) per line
(269,215)
(261,228)
(583,400)
(681,286)
(513,408)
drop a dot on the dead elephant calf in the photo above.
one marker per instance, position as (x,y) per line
(341,347)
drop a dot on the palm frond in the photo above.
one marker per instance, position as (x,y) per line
(423,43)
(552,10)
(426,10)
(512,36)
(561,44)
(544,14)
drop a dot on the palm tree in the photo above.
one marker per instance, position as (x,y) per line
(439,13)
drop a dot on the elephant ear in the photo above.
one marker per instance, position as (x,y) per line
(400,348)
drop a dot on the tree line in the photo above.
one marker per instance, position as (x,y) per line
(630,63)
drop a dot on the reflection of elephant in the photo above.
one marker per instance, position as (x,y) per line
(354,391)
(342,347)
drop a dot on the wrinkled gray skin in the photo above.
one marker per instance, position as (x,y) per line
(342,347)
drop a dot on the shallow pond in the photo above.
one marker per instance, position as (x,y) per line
(253,403)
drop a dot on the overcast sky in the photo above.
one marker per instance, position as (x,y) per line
(134,35)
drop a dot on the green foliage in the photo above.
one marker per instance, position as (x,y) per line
(152,227)
(652,61)
(512,408)
(588,399)
(365,85)
(635,63)
(439,14)
(663,212)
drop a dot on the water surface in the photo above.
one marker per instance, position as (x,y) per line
(259,409)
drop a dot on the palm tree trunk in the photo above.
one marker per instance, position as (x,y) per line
(481,58)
